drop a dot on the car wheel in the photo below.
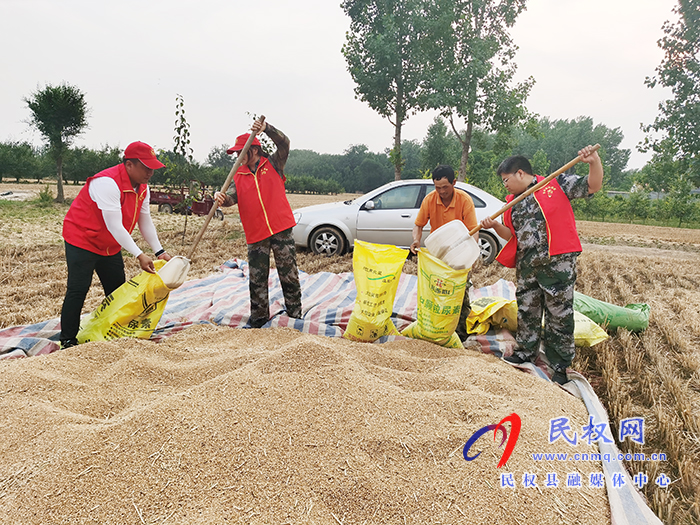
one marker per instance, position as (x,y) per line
(488,247)
(219,215)
(327,241)
(165,208)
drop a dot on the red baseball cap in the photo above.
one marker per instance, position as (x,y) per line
(145,153)
(240,142)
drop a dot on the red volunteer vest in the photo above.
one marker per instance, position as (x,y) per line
(262,202)
(84,225)
(562,236)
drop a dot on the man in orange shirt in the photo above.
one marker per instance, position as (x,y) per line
(441,206)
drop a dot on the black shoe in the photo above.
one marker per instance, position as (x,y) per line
(67,343)
(560,378)
(516,360)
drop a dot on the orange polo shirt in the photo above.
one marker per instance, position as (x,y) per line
(432,209)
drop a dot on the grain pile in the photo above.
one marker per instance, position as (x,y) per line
(217,425)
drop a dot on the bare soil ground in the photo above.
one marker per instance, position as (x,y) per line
(273,426)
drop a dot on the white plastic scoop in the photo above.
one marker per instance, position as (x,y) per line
(452,244)
(174,272)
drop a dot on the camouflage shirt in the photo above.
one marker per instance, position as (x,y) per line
(531,228)
(278,159)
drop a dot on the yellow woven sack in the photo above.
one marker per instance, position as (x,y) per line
(377,268)
(440,294)
(586,332)
(132,310)
(498,312)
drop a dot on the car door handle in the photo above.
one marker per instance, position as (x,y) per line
(405,215)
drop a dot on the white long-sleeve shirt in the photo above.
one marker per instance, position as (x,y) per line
(105,193)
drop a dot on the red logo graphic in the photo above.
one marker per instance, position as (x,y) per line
(515,424)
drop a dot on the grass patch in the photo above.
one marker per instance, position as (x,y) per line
(234,236)
(34,210)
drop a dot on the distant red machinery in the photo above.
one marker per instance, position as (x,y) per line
(179,201)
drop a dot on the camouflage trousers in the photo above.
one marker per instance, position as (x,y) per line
(547,289)
(461,329)
(282,246)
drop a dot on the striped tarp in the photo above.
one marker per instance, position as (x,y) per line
(222,298)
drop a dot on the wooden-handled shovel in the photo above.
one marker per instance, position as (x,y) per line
(233,171)
(534,188)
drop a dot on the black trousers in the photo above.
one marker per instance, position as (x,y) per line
(81,265)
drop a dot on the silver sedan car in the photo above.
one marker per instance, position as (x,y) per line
(384,216)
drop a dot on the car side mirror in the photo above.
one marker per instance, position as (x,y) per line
(369,205)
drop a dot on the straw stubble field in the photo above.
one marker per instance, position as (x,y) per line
(201,377)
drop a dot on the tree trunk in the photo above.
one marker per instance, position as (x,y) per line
(463,162)
(400,116)
(397,150)
(466,146)
(59,179)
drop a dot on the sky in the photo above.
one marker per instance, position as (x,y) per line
(282,59)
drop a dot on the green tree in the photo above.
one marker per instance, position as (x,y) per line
(471,64)
(638,205)
(678,203)
(371,175)
(600,206)
(540,163)
(180,167)
(182,139)
(18,160)
(410,153)
(218,158)
(679,70)
(81,163)
(307,162)
(562,139)
(59,113)
(384,55)
(439,147)
(306,184)
(663,172)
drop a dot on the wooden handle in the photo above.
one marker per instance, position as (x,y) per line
(536,187)
(233,171)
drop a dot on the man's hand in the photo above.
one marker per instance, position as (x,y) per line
(489,223)
(417,234)
(595,168)
(588,156)
(165,256)
(220,198)
(147,263)
(258,126)
(501,229)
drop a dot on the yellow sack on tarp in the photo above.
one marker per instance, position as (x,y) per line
(587,332)
(377,268)
(498,312)
(440,294)
(132,310)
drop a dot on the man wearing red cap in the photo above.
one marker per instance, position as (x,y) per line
(99,224)
(267,218)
